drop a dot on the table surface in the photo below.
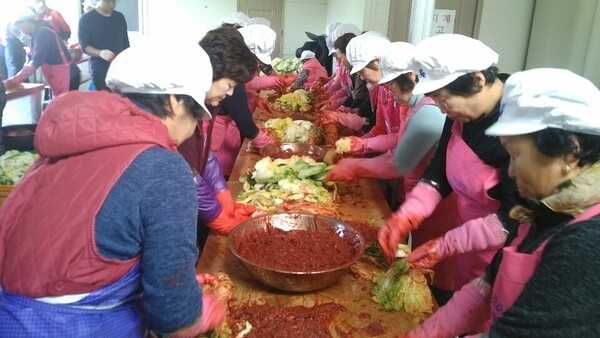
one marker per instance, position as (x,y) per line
(359,202)
(26,89)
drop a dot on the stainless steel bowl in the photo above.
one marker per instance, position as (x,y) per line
(296,281)
(286,150)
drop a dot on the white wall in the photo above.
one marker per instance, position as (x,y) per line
(505,27)
(185,20)
(300,16)
(345,11)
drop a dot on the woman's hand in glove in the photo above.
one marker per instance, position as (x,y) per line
(212,315)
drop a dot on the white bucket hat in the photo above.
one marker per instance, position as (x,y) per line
(236,18)
(307,54)
(328,41)
(260,21)
(134,71)
(395,61)
(443,58)
(260,39)
(542,98)
(363,49)
(341,30)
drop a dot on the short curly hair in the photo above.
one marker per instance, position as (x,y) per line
(229,55)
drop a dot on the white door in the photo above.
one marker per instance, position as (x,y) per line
(271,10)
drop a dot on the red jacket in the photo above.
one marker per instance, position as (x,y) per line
(85,140)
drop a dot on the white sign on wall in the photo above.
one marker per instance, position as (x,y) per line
(443,21)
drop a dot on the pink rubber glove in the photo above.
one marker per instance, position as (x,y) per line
(262,140)
(467,312)
(350,169)
(348,120)
(380,143)
(419,204)
(20,77)
(264,82)
(335,103)
(357,145)
(213,314)
(475,235)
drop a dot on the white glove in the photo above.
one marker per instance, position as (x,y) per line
(107,55)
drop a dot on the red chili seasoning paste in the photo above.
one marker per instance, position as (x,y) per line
(296,250)
(293,321)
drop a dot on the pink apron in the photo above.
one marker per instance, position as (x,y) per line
(58,76)
(225,141)
(444,216)
(470,178)
(516,268)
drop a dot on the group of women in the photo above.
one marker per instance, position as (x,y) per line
(498,186)
(467,190)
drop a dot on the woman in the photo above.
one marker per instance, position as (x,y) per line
(311,71)
(48,52)
(357,101)
(261,39)
(543,284)
(458,73)
(363,53)
(108,213)
(233,65)
(415,145)
(226,47)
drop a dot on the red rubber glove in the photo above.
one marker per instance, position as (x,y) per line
(475,235)
(231,215)
(226,200)
(467,312)
(287,79)
(419,204)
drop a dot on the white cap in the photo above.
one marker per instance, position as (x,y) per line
(307,54)
(260,39)
(260,21)
(395,61)
(341,30)
(23,13)
(236,18)
(328,41)
(363,49)
(542,98)
(443,58)
(135,70)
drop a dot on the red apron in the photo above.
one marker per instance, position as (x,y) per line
(58,76)
(470,178)
(444,216)
(225,141)
(516,268)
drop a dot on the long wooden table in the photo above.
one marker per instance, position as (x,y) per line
(360,202)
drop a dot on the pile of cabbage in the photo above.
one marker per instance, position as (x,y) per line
(14,164)
(403,288)
(273,181)
(282,66)
(292,131)
(298,100)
